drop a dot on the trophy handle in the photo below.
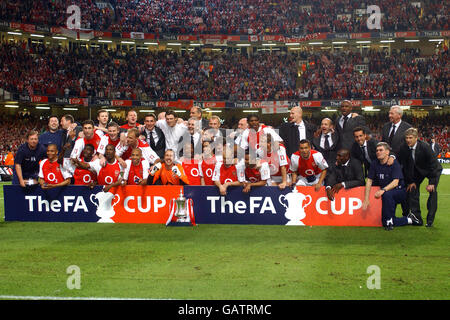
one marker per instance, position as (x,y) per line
(310,199)
(279,200)
(118,200)
(93,202)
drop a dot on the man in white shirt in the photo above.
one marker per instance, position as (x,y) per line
(172,130)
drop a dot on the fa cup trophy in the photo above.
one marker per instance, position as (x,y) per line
(181,212)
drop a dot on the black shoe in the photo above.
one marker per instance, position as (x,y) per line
(429,224)
(389,227)
(415,220)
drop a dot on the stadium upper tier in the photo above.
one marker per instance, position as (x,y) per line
(230,17)
(36,69)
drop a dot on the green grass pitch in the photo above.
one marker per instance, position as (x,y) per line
(226,261)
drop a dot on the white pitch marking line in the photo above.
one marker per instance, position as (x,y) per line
(71,298)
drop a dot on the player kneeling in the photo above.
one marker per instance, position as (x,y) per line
(309,166)
(228,173)
(136,172)
(274,153)
(109,175)
(51,173)
(168,172)
(257,173)
(84,177)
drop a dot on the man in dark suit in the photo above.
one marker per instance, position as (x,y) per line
(295,130)
(419,162)
(70,132)
(196,113)
(363,148)
(435,147)
(193,137)
(348,173)
(345,124)
(326,143)
(154,135)
(393,132)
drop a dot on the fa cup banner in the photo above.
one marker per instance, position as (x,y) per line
(297,206)
(291,206)
(130,204)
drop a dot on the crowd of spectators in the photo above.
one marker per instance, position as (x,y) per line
(403,73)
(13,130)
(36,69)
(231,17)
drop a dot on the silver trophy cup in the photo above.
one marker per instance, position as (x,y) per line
(181,211)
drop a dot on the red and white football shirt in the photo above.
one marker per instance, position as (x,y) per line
(104,141)
(147,152)
(52,172)
(83,176)
(251,138)
(312,166)
(82,142)
(276,160)
(127,126)
(107,174)
(206,168)
(257,174)
(133,174)
(191,168)
(231,173)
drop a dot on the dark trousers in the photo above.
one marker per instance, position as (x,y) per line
(413,198)
(390,199)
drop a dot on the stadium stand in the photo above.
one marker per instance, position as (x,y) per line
(231,17)
(40,70)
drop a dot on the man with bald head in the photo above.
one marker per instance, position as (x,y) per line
(345,124)
(295,130)
(393,132)
(326,143)
(237,134)
(347,173)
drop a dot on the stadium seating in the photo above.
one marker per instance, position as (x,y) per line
(35,69)
(231,17)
